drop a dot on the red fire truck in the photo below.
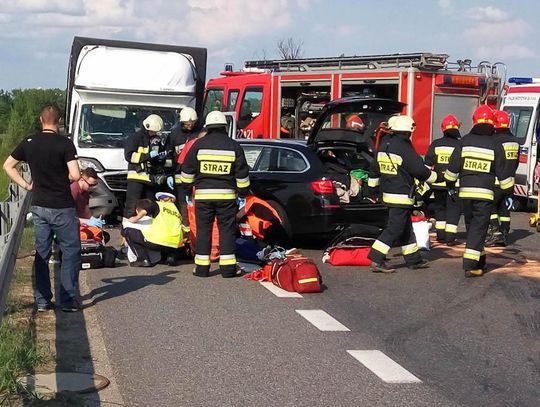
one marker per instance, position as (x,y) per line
(282,98)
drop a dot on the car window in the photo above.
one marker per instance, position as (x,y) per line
(214,100)
(231,100)
(290,160)
(251,106)
(520,118)
(252,154)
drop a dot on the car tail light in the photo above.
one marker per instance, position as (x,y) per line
(323,187)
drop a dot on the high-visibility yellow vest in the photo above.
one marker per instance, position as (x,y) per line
(166,227)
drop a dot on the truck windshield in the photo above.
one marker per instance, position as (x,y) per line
(520,117)
(107,126)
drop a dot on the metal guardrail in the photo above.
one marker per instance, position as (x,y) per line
(12,219)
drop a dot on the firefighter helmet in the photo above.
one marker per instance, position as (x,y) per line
(403,123)
(188,114)
(390,122)
(215,119)
(449,122)
(153,123)
(483,115)
(502,119)
(355,122)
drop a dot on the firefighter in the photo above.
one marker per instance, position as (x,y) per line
(475,163)
(178,138)
(500,217)
(217,167)
(396,167)
(146,154)
(446,208)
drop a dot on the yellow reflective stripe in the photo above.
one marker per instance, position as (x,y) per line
(133,175)
(478,152)
(507,183)
(373,182)
(450,228)
(505,218)
(178,178)
(214,197)
(482,120)
(202,260)
(409,249)
(390,158)
(471,192)
(208,157)
(400,199)
(450,176)
(494,216)
(472,254)
(439,184)
(227,259)
(308,280)
(381,247)
(187,178)
(440,224)
(242,182)
(168,163)
(497,182)
(220,153)
(432,177)
(444,149)
(143,150)
(136,158)
(215,194)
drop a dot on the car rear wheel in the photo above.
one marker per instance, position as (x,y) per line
(284,218)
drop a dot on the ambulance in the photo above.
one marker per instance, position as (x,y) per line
(283,98)
(521,100)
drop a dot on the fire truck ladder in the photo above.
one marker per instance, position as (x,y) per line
(418,60)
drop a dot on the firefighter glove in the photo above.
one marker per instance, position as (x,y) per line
(241,202)
(452,193)
(509,202)
(170,182)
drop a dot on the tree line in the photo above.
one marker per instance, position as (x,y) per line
(19,117)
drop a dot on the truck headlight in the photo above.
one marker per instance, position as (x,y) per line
(85,162)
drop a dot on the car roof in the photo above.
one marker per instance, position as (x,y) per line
(277,142)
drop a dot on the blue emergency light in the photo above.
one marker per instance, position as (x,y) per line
(520,80)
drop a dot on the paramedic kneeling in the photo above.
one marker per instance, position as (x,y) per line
(164,234)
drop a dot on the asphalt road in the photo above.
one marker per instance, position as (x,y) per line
(177,340)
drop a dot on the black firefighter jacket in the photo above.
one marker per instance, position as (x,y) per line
(476,163)
(395,170)
(217,167)
(137,153)
(175,144)
(511,149)
(439,153)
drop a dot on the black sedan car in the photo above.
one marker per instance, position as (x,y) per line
(299,178)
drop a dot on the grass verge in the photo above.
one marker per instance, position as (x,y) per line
(19,351)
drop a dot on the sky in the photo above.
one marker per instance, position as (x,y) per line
(36,35)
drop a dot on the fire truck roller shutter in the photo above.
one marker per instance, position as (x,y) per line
(461,106)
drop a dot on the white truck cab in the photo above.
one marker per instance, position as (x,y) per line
(522,101)
(112,87)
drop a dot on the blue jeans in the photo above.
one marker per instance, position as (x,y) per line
(65,225)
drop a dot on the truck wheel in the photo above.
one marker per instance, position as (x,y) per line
(284,218)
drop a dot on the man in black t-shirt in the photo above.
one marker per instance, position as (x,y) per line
(53,163)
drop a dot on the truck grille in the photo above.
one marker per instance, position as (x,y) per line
(116,181)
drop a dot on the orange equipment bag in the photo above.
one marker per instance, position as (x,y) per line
(91,233)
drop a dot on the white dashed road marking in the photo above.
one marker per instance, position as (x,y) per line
(322,320)
(279,292)
(384,367)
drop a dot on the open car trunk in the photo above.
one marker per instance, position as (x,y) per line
(344,139)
